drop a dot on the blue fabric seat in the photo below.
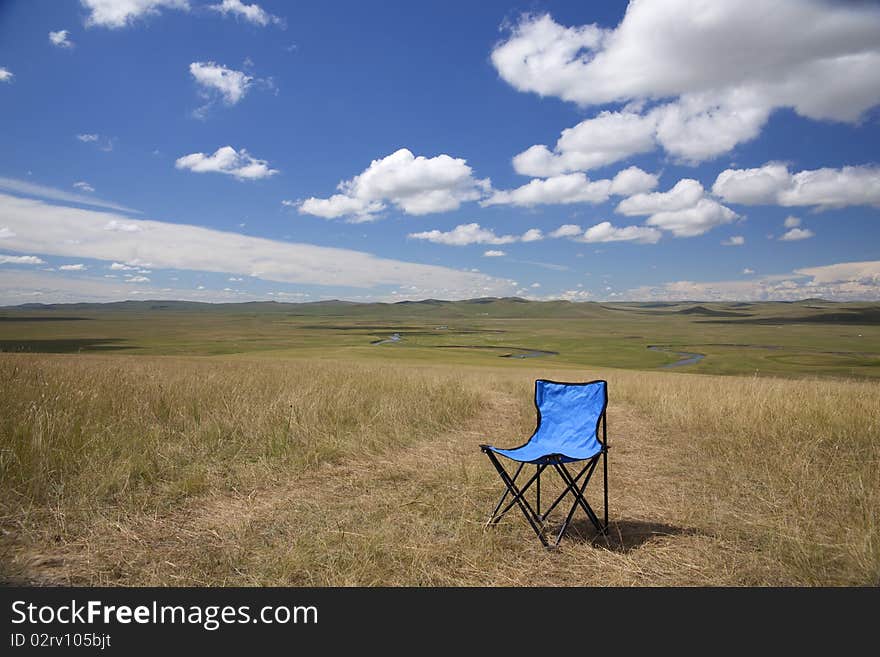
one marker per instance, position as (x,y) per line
(570,416)
(568,423)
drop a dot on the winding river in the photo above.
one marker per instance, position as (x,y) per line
(685,357)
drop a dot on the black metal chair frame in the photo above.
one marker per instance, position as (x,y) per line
(534,516)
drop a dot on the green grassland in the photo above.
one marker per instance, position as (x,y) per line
(808,338)
(171,443)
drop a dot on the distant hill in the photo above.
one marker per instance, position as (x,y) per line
(439,309)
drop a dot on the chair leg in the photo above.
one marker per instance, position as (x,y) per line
(571,511)
(504,497)
(578,493)
(497,515)
(562,495)
(518,497)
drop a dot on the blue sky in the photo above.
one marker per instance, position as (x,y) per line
(222,150)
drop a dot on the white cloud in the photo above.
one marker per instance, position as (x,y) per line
(633,181)
(535,285)
(572,188)
(792,222)
(532,235)
(494,253)
(593,143)
(561,189)
(123,227)
(251,13)
(772,184)
(693,221)
(88,137)
(340,205)
(605,232)
(140,279)
(849,281)
(61,38)
(76,267)
(719,72)
(42,191)
(416,185)
(866,272)
(84,186)
(685,194)
(684,210)
(226,159)
(734,240)
(796,234)
(20,260)
(5,74)
(118,266)
(235,279)
(75,233)
(115,14)
(464,235)
(229,84)
(748,271)
(567,230)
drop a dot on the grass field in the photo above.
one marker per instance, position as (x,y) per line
(275,445)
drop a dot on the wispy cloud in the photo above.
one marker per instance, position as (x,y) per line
(251,13)
(43,191)
(43,228)
(61,39)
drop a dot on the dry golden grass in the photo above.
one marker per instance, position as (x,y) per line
(152,471)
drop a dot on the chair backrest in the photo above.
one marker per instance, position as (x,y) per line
(569,413)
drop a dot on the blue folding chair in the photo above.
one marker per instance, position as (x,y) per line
(567,431)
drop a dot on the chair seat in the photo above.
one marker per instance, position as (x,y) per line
(533,453)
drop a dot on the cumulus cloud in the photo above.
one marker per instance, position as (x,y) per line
(714,72)
(683,210)
(572,188)
(685,194)
(251,13)
(734,240)
(748,271)
(797,234)
(88,137)
(239,164)
(849,281)
(494,253)
(76,233)
(42,191)
(76,267)
(791,222)
(5,74)
(532,235)
(693,221)
(227,83)
(567,230)
(61,39)
(415,185)
(632,181)
(116,14)
(20,260)
(593,143)
(773,184)
(464,235)
(84,186)
(606,232)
